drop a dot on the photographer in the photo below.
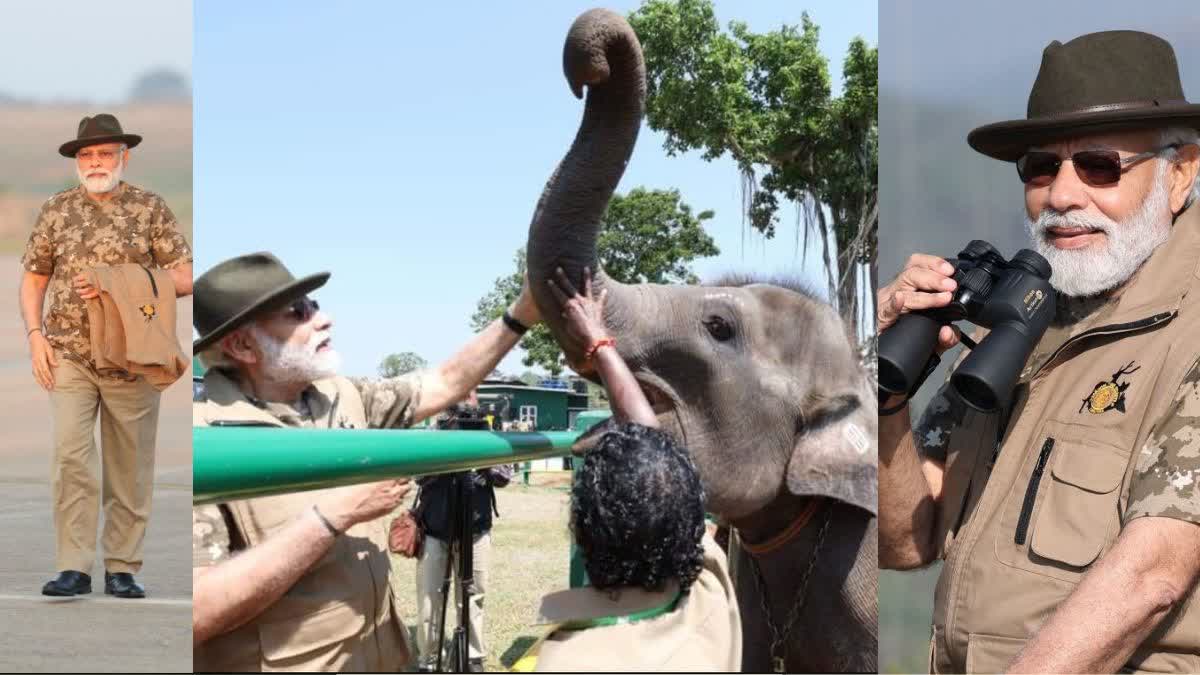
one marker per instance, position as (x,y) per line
(1068,519)
(438,558)
(300,582)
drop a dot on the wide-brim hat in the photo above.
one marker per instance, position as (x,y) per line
(102,128)
(1098,83)
(238,289)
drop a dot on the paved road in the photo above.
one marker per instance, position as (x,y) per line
(93,633)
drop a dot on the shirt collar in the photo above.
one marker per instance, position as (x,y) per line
(591,606)
(119,194)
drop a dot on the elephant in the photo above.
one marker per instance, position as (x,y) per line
(758,377)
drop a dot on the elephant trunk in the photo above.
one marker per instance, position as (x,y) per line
(602,52)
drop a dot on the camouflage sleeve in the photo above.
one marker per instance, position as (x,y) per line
(390,403)
(210,536)
(39,250)
(938,421)
(169,246)
(1168,467)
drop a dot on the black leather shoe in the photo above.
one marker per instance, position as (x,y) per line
(476,666)
(68,583)
(122,585)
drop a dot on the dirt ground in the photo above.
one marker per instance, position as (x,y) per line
(91,633)
(530,548)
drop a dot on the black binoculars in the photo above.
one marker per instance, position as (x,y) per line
(1012,298)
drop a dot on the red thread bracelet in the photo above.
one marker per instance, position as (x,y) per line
(608,341)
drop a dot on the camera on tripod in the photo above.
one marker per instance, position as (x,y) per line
(464,417)
(1013,298)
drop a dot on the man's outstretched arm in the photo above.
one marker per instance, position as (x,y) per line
(451,381)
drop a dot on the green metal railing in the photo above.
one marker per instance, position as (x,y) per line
(242,462)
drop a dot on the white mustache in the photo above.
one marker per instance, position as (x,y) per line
(1072,220)
(315,341)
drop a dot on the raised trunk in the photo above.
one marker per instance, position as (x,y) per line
(602,52)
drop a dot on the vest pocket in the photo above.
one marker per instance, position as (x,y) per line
(313,641)
(1079,515)
(991,653)
(1064,501)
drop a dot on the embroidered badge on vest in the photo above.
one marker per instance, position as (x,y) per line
(1109,395)
(148,311)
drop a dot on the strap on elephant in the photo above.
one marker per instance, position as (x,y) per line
(779,637)
(789,533)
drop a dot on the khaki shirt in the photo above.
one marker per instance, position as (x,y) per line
(341,614)
(702,633)
(1104,428)
(74,233)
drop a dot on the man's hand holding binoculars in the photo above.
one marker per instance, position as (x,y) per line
(926,282)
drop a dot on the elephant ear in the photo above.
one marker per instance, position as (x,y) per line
(838,457)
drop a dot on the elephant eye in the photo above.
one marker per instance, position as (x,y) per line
(719,328)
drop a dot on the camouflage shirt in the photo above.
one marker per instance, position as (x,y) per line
(74,233)
(1168,466)
(388,404)
(1164,482)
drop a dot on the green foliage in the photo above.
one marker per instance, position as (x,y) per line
(394,365)
(765,99)
(647,236)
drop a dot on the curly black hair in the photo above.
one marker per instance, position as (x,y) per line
(637,511)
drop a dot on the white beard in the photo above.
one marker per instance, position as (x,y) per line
(286,363)
(1102,267)
(101,183)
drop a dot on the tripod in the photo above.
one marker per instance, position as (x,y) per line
(462,537)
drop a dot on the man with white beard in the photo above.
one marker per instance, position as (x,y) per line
(1069,522)
(302,581)
(104,221)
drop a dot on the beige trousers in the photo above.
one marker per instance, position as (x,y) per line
(431,566)
(128,423)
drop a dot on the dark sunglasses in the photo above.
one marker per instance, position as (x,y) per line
(302,310)
(1094,167)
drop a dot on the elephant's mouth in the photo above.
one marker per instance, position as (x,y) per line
(656,392)
(662,401)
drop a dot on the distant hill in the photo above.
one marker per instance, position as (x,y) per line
(33,170)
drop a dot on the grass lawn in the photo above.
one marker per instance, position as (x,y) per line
(530,545)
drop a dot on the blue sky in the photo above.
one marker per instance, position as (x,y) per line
(403,146)
(64,49)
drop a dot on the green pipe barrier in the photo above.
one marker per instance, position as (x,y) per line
(242,462)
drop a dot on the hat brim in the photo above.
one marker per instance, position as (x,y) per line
(277,298)
(1009,140)
(69,148)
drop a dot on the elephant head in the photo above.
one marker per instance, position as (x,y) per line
(760,380)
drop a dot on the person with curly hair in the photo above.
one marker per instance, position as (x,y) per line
(660,597)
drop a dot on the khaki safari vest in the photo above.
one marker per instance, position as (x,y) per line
(1024,516)
(340,615)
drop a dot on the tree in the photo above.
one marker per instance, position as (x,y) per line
(647,236)
(765,99)
(394,365)
(158,85)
